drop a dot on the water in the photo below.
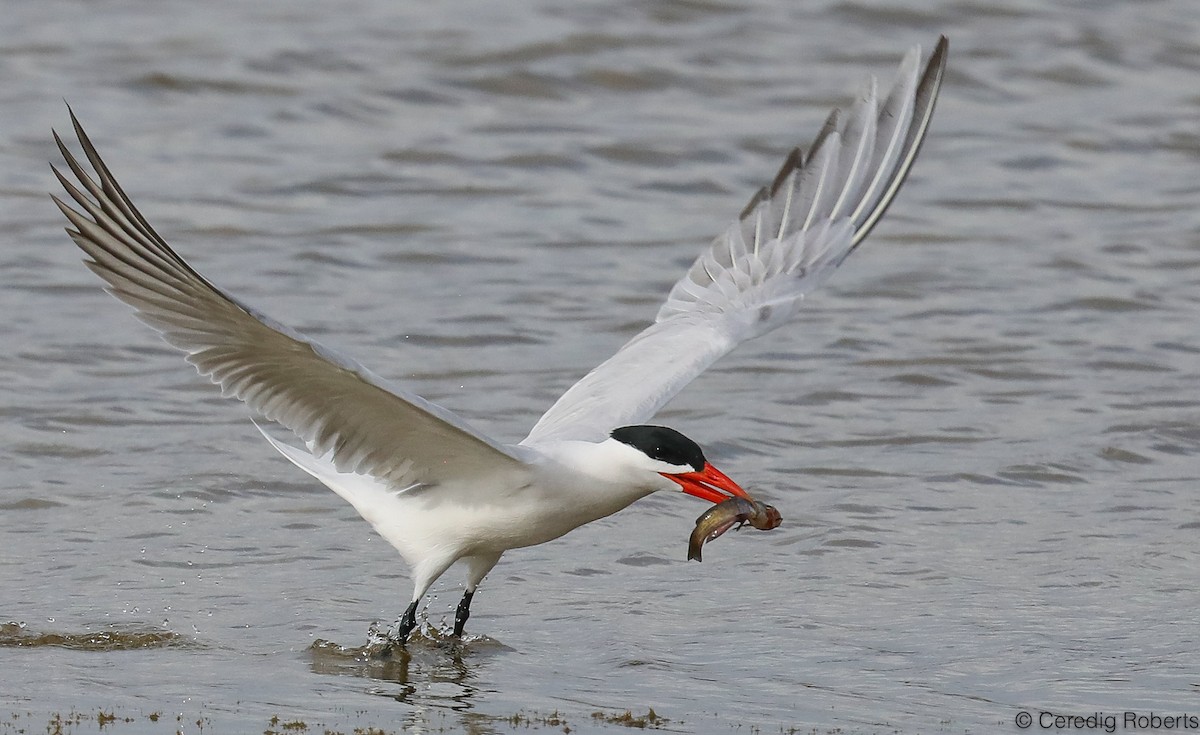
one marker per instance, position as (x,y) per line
(982,433)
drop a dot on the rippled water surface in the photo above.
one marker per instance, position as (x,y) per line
(983,433)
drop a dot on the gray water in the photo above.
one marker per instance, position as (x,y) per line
(983,433)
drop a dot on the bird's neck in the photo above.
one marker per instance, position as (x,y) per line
(599,478)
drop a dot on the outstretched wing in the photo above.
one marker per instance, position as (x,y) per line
(335,405)
(788,239)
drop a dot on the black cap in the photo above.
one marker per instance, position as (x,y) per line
(662,444)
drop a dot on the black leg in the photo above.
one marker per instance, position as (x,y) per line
(463,612)
(404,626)
(408,621)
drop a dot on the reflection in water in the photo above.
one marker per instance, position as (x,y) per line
(433,668)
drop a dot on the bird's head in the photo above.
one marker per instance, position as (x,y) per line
(680,460)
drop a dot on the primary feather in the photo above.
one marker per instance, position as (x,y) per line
(339,408)
(788,239)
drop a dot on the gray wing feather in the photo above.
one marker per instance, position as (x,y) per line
(335,405)
(788,239)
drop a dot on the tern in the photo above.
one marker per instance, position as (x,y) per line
(435,488)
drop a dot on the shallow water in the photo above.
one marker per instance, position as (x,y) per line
(982,434)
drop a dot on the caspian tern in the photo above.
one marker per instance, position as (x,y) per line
(437,489)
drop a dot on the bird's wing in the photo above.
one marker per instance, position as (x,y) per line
(334,404)
(788,239)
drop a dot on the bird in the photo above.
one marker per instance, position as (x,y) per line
(434,487)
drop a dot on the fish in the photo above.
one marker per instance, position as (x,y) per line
(722,516)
